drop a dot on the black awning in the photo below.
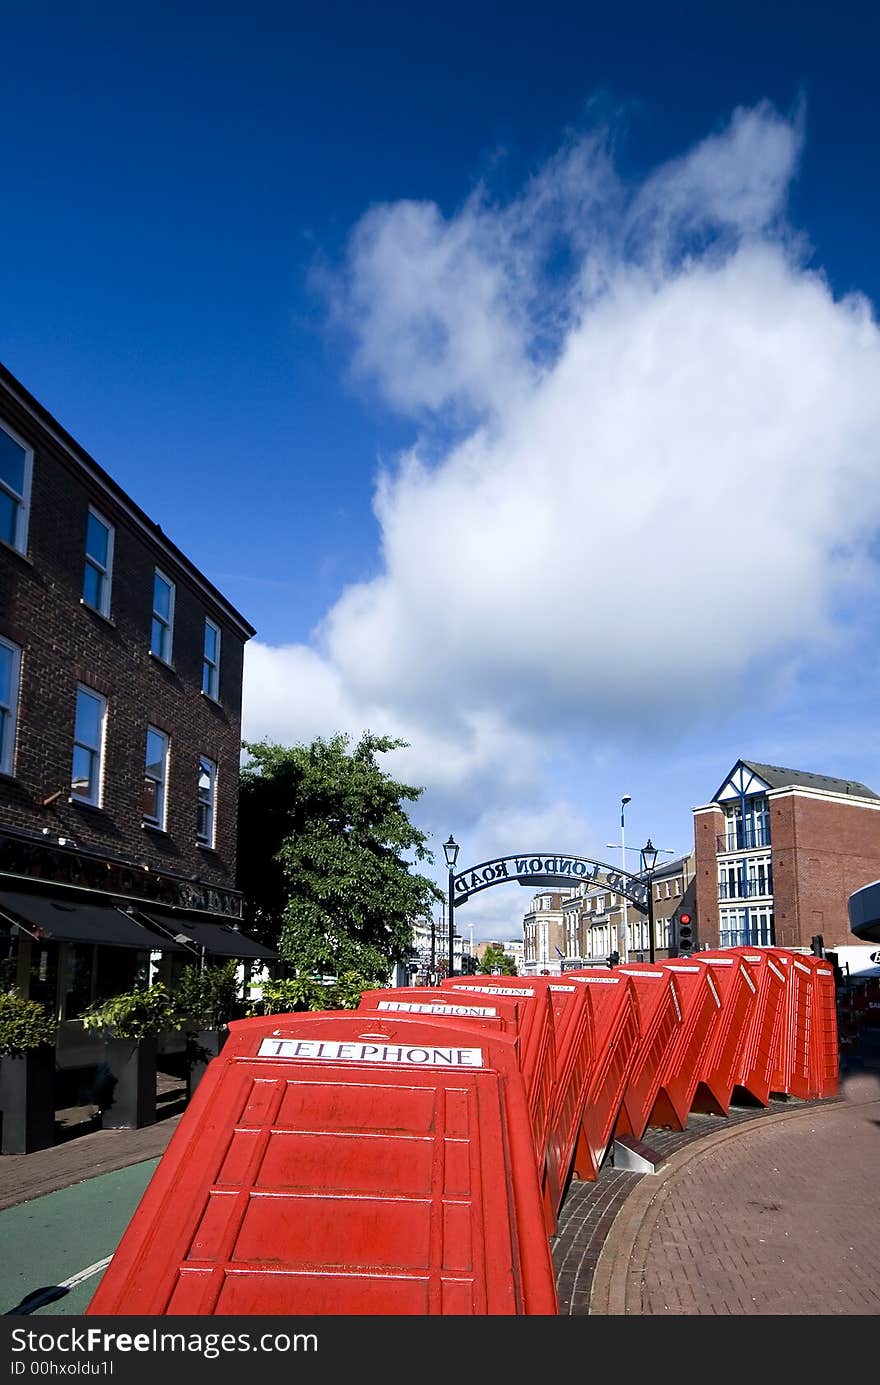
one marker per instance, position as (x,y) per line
(67,921)
(221,939)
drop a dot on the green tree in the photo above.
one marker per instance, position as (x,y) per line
(496,959)
(323,845)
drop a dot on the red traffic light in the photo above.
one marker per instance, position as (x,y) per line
(685,918)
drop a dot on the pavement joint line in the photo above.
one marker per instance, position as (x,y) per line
(630,1228)
(82,1275)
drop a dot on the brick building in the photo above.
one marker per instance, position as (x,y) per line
(595,923)
(778,852)
(120,730)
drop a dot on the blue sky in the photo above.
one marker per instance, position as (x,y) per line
(513,369)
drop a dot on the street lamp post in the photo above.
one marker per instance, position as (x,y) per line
(649,860)
(623,946)
(450,850)
(433,948)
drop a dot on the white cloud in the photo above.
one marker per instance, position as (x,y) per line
(670,459)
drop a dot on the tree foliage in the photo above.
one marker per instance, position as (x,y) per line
(288,994)
(325,856)
(495,959)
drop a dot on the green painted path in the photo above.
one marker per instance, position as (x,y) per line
(52,1238)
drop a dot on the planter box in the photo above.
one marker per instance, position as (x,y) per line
(126,1090)
(27,1102)
(201,1049)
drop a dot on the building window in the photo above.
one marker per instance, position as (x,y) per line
(748,824)
(746,927)
(211,661)
(747,878)
(88,746)
(155,777)
(162,630)
(16,465)
(10,669)
(98,571)
(207,801)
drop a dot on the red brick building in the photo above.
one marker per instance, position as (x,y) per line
(778,853)
(120,729)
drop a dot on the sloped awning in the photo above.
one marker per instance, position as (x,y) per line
(219,939)
(69,921)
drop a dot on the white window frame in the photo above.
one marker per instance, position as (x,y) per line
(208,838)
(167,625)
(10,710)
(96,798)
(161,783)
(23,501)
(105,573)
(212,667)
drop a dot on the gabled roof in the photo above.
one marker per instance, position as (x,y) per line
(776,777)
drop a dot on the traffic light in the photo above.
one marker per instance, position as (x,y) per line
(468,965)
(613,959)
(683,933)
(817,945)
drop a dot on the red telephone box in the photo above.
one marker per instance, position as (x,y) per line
(615,1039)
(700,1009)
(659,1010)
(342,1163)
(723,1057)
(538,1061)
(760,1042)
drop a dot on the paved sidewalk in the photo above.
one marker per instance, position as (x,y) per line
(776,1216)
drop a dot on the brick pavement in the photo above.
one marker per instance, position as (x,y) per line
(774,1216)
(591,1209)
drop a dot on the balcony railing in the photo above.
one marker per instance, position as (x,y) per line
(743,838)
(745,889)
(759,935)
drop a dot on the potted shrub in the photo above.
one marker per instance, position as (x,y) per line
(131,1024)
(27,1075)
(204,1001)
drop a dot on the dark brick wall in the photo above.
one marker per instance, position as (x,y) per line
(65,643)
(822,850)
(708,826)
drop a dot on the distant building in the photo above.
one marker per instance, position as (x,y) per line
(515,949)
(544,933)
(594,924)
(430,953)
(778,852)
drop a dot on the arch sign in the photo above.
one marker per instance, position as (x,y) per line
(554,870)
